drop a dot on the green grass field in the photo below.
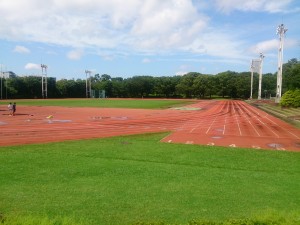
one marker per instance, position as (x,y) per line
(138,180)
(126,180)
(103,103)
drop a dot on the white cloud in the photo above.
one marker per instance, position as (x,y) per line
(181,73)
(21,49)
(32,66)
(146,60)
(271,45)
(75,54)
(149,25)
(271,6)
(165,25)
(265,46)
(128,27)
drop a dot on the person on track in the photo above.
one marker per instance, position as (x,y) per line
(14,108)
(10,109)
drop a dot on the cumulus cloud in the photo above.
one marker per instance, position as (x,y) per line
(270,45)
(181,73)
(146,60)
(265,46)
(270,6)
(149,25)
(21,49)
(32,66)
(135,26)
(75,54)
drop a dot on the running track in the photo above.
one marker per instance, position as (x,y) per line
(222,123)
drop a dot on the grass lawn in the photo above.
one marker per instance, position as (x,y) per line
(123,180)
(103,103)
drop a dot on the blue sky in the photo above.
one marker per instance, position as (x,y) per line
(144,37)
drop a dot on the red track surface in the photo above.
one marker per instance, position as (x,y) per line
(222,123)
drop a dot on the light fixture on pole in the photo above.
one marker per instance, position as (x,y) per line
(44,80)
(88,83)
(261,56)
(280,31)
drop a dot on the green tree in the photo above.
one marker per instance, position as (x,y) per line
(201,85)
(225,84)
(287,99)
(269,85)
(140,86)
(243,85)
(185,85)
(118,87)
(71,88)
(166,86)
(291,75)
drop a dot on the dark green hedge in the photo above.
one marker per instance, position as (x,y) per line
(291,98)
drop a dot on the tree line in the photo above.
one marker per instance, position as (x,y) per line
(228,84)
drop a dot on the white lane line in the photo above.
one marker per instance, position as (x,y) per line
(198,125)
(247,117)
(268,127)
(296,136)
(238,125)
(221,110)
(236,118)
(257,117)
(211,125)
(254,128)
(224,127)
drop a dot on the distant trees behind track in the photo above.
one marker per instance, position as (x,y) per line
(227,84)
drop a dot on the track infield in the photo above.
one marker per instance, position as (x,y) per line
(229,123)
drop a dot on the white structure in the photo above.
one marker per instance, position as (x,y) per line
(255,68)
(260,75)
(44,81)
(280,31)
(88,83)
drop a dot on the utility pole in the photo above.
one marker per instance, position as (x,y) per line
(44,80)
(280,32)
(88,83)
(261,56)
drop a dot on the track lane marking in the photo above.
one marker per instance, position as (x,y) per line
(282,127)
(259,120)
(236,118)
(221,109)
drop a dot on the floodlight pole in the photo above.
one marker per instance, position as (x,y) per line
(88,83)
(260,75)
(280,31)
(44,80)
(252,67)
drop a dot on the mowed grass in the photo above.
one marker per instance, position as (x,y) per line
(124,180)
(103,103)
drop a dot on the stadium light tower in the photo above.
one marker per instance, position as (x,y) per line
(254,68)
(251,69)
(280,31)
(261,56)
(44,80)
(88,83)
